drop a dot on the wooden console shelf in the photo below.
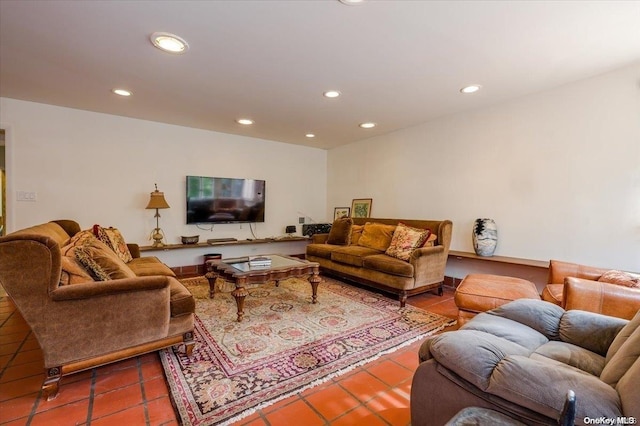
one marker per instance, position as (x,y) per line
(501,259)
(224,243)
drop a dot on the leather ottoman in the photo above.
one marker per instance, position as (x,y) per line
(482,292)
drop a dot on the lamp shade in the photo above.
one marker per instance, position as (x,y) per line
(157,200)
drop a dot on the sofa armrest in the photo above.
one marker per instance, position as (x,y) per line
(134,249)
(602,298)
(429,264)
(108,288)
(319,238)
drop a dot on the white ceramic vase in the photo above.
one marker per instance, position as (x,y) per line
(485,237)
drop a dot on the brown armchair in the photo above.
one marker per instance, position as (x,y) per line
(574,286)
(81,326)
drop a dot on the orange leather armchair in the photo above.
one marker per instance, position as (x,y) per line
(574,286)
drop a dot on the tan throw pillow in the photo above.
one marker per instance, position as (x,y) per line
(77,240)
(114,240)
(620,278)
(431,240)
(90,265)
(340,233)
(356,233)
(107,260)
(405,240)
(376,236)
(73,272)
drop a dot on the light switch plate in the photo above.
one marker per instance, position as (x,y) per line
(26,196)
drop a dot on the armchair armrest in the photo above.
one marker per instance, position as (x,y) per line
(319,238)
(603,298)
(107,288)
(134,249)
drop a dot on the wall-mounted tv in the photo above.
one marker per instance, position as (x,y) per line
(224,200)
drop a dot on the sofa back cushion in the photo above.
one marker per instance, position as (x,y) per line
(623,352)
(51,230)
(376,236)
(356,233)
(589,330)
(340,233)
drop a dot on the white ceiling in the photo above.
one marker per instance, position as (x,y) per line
(397,63)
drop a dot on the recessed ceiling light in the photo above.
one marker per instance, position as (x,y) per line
(309,135)
(121,92)
(331,94)
(244,121)
(351,2)
(169,42)
(471,89)
(367,125)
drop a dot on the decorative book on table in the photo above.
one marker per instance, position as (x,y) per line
(259,261)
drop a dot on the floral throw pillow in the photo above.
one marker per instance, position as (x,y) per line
(620,278)
(405,240)
(78,240)
(114,240)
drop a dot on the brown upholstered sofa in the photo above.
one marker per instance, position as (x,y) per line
(80,322)
(521,359)
(574,286)
(422,271)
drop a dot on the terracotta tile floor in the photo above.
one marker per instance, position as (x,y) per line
(134,392)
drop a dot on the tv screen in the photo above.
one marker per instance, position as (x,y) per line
(224,200)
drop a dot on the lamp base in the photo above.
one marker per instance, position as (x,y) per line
(157,236)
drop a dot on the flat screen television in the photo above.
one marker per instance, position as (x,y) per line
(224,200)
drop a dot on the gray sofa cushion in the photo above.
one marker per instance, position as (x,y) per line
(589,330)
(541,386)
(507,329)
(473,355)
(572,355)
(542,317)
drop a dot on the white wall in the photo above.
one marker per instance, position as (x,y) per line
(98,168)
(559,171)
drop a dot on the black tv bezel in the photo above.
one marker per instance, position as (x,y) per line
(186,198)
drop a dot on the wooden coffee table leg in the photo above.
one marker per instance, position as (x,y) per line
(240,293)
(211,276)
(314,279)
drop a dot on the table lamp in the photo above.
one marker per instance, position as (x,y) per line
(157,202)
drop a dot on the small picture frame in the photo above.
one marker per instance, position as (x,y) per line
(340,212)
(361,207)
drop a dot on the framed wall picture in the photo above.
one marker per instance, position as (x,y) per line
(340,212)
(361,207)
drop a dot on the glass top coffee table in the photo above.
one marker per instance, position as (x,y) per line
(239,272)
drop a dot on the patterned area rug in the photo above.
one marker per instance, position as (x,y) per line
(285,344)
